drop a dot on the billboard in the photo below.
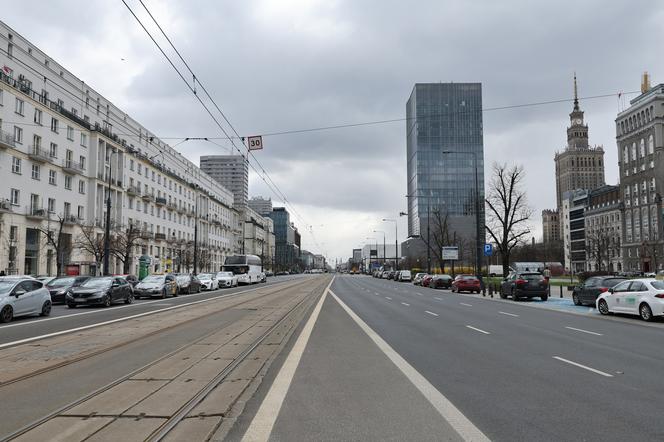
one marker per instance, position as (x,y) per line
(450,253)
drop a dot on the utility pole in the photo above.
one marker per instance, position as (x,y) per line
(196,230)
(396,242)
(107,235)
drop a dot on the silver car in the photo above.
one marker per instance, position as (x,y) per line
(23,296)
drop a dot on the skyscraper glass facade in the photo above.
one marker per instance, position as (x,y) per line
(444,139)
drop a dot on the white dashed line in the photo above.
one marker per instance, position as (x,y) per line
(407,305)
(467,305)
(387,297)
(576,364)
(584,331)
(436,297)
(377,294)
(431,313)
(509,314)
(419,294)
(477,329)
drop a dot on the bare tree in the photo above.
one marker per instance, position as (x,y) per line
(91,242)
(509,213)
(124,243)
(598,247)
(56,239)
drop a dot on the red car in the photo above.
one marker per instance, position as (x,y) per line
(426,280)
(466,283)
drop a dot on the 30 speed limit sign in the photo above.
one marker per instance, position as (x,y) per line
(255,143)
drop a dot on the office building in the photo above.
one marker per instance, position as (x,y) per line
(287,241)
(261,205)
(574,232)
(258,234)
(232,172)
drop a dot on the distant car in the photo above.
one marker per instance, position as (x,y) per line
(391,274)
(131,279)
(466,283)
(45,279)
(417,279)
(426,280)
(643,297)
(269,273)
(441,282)
(188,284)
(208,281)
(104,290)
(525,285)
(58,287)
(587,293)
(23,296)
(156,285)
(227,279)
(404,276)
(282,273)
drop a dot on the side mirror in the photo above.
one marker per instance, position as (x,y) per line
(19,292)
(611,290)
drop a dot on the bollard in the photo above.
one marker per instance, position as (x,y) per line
(561,291)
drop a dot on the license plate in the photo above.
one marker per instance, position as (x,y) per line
(79,299)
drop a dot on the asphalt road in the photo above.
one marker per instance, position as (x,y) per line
(516,371)
(63,318)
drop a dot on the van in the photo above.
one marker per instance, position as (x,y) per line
(497,270)
(404,276)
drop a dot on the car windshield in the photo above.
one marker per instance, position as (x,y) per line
(224,274)
(205,276)
(657,285)
(61,282)
(6,286)
(97,283)
(532,277)
(153,279)
(183,278)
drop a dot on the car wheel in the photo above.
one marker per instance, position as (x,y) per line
(502,295)
(177,292)
(514,296)
(46,309)
(107,301)
(70,305)
(645,312)
(7,314)
(576,299)
(544,297)
(129,299)
(163,294)
(603,307)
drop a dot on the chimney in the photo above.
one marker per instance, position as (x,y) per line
(645,83)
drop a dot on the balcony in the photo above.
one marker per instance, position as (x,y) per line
(148,197)
(160,201)
(35,153)
(182,210)
(133,191)
(172,206)
(160,236)
(72,219)
(6,140)
(36,213)
(71,167)
(146,234)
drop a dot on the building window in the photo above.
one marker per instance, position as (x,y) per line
(15,197)
(16,165)
(52,177)
(18,135)
(80,213)
(651,144)
(67,182)
(38,116)
(131,165)
(81,187)
(36,171)
(54,125)
(19,106)
(84,140)
(70,133)
(51,205)
(82,162)
(53,150)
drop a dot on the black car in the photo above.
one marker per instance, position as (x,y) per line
(525,285)
(100,291)
(58,287)
(440,282)
(188,284)
(587,293)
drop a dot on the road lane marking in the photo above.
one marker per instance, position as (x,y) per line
(467,305)
(460,423)
(436,297)
(419,294)
(387,297)
(431,313)
(407,305)
(583,366)
(263,422)
(509,314)
(477,329)
(377,294)
(584,331)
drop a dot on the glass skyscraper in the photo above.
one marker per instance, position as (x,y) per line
(444,145)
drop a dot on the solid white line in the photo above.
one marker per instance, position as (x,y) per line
(508,314)
(467,305)
(431,313)
(113,321)
(263,422)
(460,423)
(477,329)
(387,297)
(407,305)
(583,366)
(584,331)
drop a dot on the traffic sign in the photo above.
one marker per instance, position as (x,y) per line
(450,253)
(488,249)
(255,143)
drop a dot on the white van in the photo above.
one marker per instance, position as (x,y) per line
(404,276)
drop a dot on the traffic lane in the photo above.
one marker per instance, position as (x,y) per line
(86,316)
(509,377)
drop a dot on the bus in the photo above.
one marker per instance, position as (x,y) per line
(248,268)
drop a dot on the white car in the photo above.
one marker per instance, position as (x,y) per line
(208,281)
(227,279)
(643,297)
(23,296)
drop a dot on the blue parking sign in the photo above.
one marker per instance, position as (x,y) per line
(488,249)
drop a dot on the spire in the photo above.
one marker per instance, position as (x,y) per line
(576,95)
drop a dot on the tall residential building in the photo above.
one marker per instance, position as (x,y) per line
(62,146)
(444,141)
(640,142)
(578,166)
(603,225)
(232,172)
(574,232)
(261,205)
(550,226)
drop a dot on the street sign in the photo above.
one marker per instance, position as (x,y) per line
(373,252)
(450,253)
(255,143)
(488,249)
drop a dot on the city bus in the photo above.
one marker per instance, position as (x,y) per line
(248,268)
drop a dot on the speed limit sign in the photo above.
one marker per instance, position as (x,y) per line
(255,143)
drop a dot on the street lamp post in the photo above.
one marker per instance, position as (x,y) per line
(196,230)
(107,235)
(370,249)
(396,242)
(384,255)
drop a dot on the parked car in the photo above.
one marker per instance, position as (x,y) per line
(208,281)
(466,283)
(588,292)
(103,290)
(227,279)
(417,279)
(404,276)
(45,279)
(131,279)
(525,285)
(23,296)
(385,274)
(58,287)
(269,273)
(391,274)
(188,284)
(156,285)
(440,282)
(427,280)
(643,297)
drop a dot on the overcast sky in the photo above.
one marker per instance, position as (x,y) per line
(276,65)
